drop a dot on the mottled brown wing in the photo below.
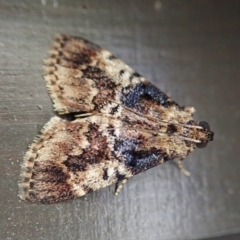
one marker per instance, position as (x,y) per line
(84,78)
(70,159)
(81,76)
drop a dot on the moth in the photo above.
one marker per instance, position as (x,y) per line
(111,124)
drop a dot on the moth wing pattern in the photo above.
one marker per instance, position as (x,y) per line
(77,71)
(122,125)
(71,159)
(84,78)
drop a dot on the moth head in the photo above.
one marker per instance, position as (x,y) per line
(200,133)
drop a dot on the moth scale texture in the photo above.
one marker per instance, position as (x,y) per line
(111,124)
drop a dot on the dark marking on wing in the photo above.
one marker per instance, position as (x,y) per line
(112,57)
(131,97)
(103,82)
(171,129)
(81,58)
(114,110)
(140,161)
(51,173)
(56,187)
(56,174)
(123,145)
(76,163)
(105,174)
(74,60)
(121,72)
(111,130)
(31,185)
(93,73)
(87,189)
(90,155)
(106,90)
(135,74)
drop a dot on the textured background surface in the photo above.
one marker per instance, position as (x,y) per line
(189,49)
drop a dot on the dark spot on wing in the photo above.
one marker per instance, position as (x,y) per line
(50,185)
(105,85)
(111,130)
(31,185)
(139,161)
(114,109)
(81,58)
(132,96)
(56,174)
(112,57)
(171,129)
(50,173)
(103,82)
(121,72)
(123,145)
(105,174)
(93,73)
(76,163)
(87,189)
(135,74)
(90,155)
(74,60)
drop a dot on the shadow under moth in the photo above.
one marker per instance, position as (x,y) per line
(111,124)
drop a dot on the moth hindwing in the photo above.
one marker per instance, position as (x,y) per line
(114,125)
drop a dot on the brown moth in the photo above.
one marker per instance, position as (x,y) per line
(112,124)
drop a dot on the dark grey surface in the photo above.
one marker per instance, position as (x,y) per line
(191,50)
(226,237)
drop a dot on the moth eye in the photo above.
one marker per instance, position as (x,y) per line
(202,144)
(204,125)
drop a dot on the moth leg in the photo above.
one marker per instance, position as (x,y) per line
(181,167)
(120,186)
